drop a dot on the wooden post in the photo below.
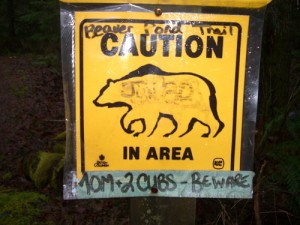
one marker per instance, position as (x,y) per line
(162,211)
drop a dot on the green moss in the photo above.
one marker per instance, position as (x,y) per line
(59,148)
(60,142)
(57,175)
(20,208)
(43,168)
(60,136)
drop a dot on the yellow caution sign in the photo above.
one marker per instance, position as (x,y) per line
(159,93)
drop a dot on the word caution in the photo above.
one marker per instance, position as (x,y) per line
(123,40)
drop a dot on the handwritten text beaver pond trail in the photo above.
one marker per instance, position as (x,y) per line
(165,36)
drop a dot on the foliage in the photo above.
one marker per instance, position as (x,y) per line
(20,208)
(278,148)
(43,168)
(35,26)
(284,168)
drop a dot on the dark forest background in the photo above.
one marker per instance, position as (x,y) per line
(32,130)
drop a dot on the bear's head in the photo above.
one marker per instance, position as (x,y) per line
(110,95)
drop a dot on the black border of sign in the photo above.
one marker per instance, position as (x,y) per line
(159,22)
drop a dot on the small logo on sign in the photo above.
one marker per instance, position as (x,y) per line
(101,162)
(218,163)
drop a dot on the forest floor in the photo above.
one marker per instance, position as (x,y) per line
(31,115)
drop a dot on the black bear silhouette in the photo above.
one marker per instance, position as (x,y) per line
(184,98)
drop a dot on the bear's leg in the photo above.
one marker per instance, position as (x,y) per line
(130,121)
(221,126)
(154,125)
(143,126)
(191,126)
(216,125)
(215,117)
(168,116)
